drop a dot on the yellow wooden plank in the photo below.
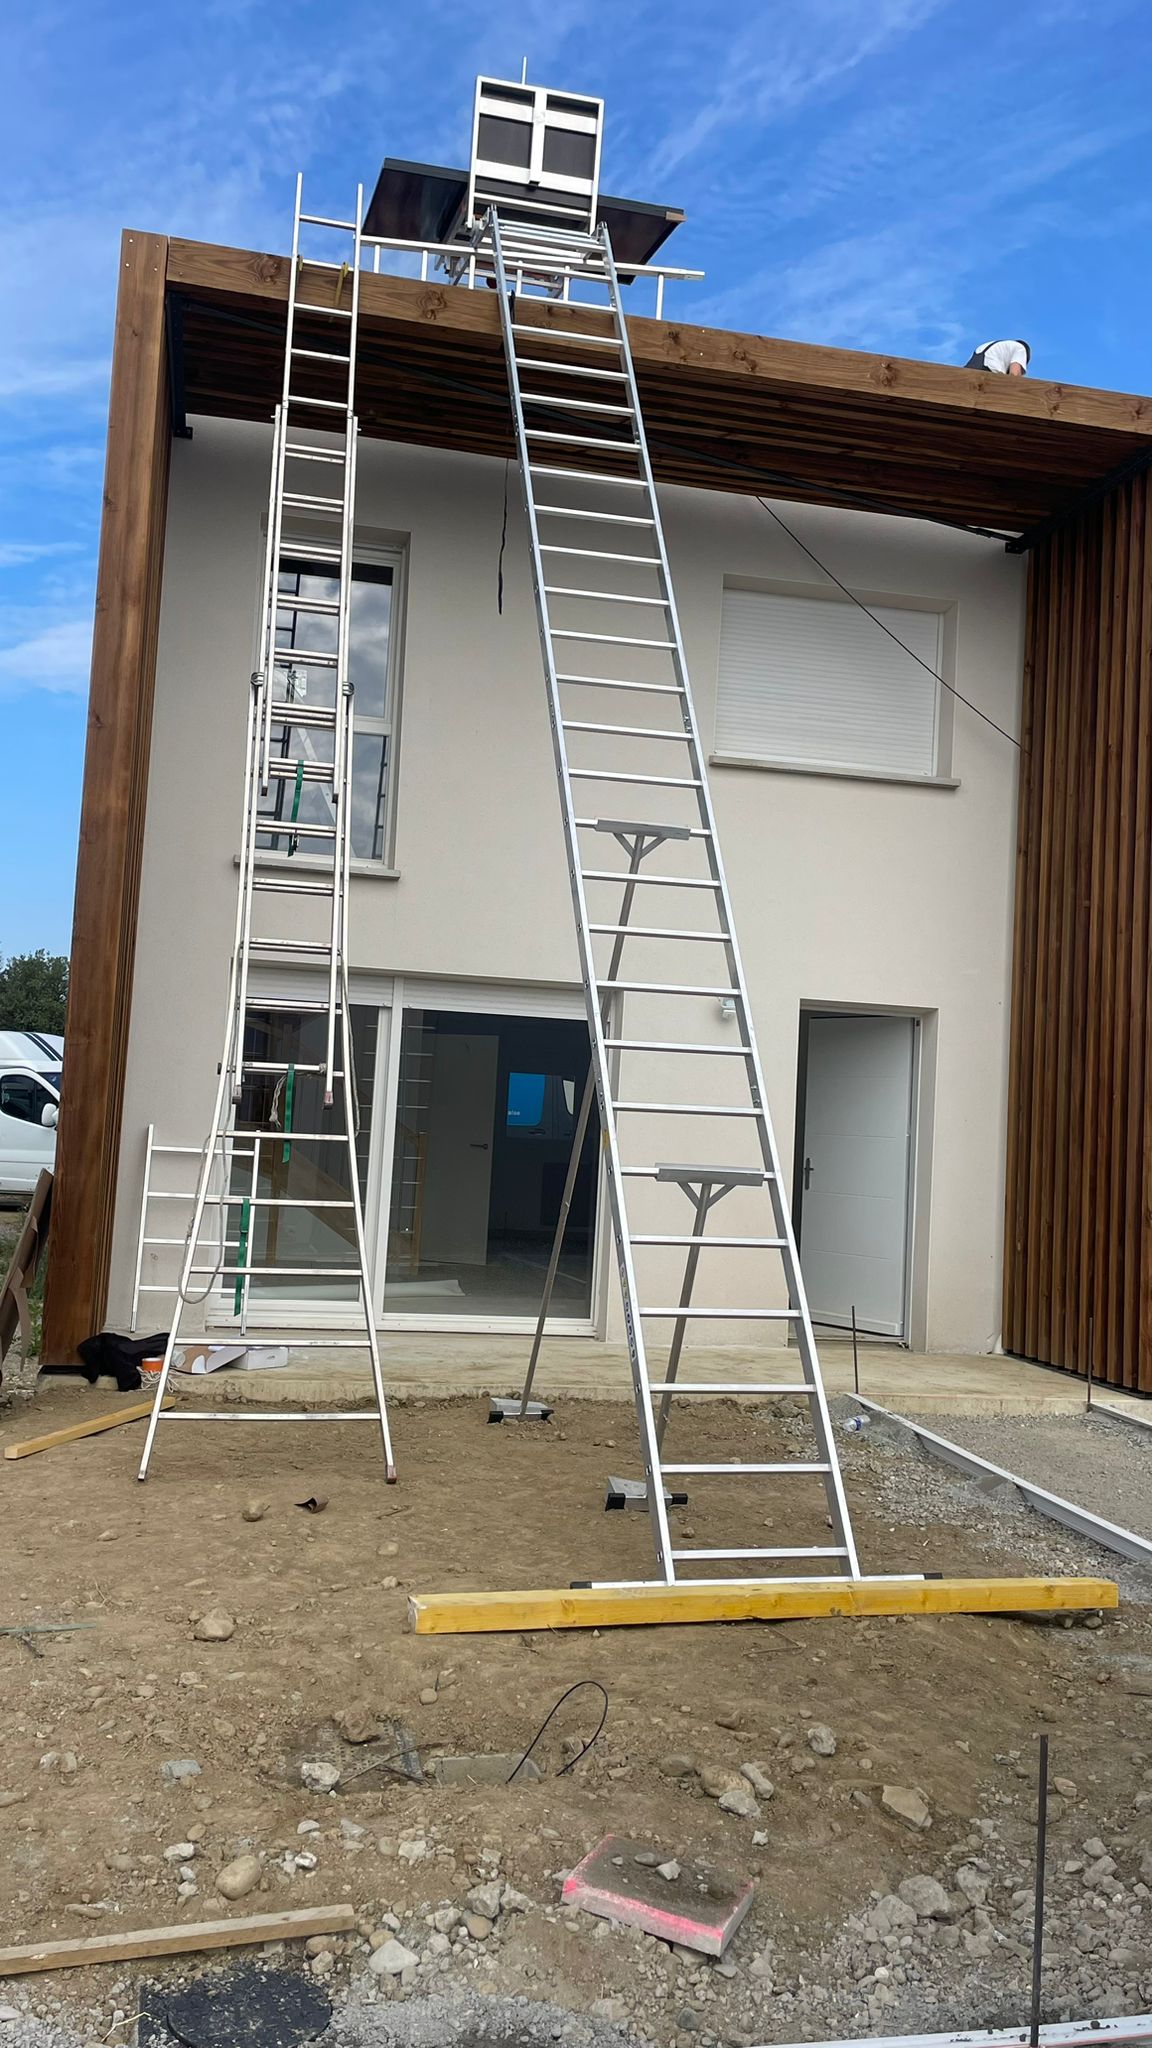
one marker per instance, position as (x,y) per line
(438,1614)
(296,1924)
(134,1412)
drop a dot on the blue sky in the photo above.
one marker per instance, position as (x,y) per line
(915,176)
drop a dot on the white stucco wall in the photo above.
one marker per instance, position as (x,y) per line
(846,892)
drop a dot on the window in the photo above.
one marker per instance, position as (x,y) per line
(370,667)
(815,682)
(22,1097)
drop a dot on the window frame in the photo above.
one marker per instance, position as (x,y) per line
(371,556)
(944,609)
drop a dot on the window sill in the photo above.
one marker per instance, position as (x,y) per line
(371,868)
(838,774)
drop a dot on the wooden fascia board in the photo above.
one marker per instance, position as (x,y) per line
(112,806)
(405,305)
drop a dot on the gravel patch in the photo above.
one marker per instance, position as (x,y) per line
(1103,1466)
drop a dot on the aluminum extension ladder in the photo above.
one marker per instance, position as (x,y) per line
(299,739)
(592,510)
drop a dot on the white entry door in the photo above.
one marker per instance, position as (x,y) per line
(461,1119)
(855,1166)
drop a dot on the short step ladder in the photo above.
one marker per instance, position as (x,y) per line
(287,1125)
(611,637)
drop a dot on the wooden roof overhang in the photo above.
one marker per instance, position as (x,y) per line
(724,411)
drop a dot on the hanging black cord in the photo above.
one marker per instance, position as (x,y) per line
(503,539)
(934,673)
(572,1761)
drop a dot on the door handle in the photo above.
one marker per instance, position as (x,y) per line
(807,1175)
(475,1145)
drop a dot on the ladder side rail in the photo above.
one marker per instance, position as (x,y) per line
(633,1328)
(144,1194)
(366,1302)
(267,666)
(834,1486)
(216,1126)
(342,739)
(262,682)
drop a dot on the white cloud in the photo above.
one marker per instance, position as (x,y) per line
(17,554)
(55,659)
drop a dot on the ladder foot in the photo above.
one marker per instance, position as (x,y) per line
(390,1475)
(516,1410)
(633,1493)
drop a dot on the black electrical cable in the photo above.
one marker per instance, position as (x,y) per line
(572,1761)
(503,541)
(926,665)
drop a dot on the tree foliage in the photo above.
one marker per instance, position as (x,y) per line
(33,991)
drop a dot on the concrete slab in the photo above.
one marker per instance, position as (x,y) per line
(444,1363)
(697,1907)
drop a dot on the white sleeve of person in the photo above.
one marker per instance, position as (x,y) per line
(1000,356)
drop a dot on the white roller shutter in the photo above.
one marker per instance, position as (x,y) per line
(814,682)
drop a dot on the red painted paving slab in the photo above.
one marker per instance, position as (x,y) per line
(701,1908)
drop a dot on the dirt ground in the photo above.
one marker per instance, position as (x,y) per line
(949,1706)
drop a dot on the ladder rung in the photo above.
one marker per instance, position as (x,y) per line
(603,596)
(273,886)
(294,601)
(729,1387)
(570,369)
(565,335)
(590,476)
(611,639)
(686,832)
(727,1315)
(289,712)
(281,828)
(303,501)
(731,1244)
(553,547)
(627,775)
(300,451)
(289,1005)
(808,1550)
(288,1272)
(309,771)
(582,441)
(308,551)
(667,988)
(336,312)
(320,220)
(582,511)
(659,931)
(735,1176)
(633,732)
(665,881)
(291,656)
(794,1465)
(675,1045)
(320,355)
(598,406)
(684,1109)
(278,1201)
(622,683)
(287,1067)
(292,1137)
(321,404)
(286,946)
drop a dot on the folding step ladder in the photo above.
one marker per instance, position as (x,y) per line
(271,1135)
(593,514)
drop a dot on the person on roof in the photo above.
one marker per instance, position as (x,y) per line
(1005,358)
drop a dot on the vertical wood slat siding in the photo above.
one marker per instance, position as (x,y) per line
(1078,1226)
(112,811)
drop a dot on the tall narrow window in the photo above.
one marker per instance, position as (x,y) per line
(370,666)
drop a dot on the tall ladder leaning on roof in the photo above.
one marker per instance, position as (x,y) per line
(566,444)
(254,1133)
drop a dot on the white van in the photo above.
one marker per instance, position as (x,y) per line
(30,1069)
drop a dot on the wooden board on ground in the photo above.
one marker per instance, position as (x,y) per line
(134,1412)
(436,1614)
(296,1925)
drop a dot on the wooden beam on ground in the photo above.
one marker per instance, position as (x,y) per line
(295,1925)
(134,1412)
(440,1614)
(112,809)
